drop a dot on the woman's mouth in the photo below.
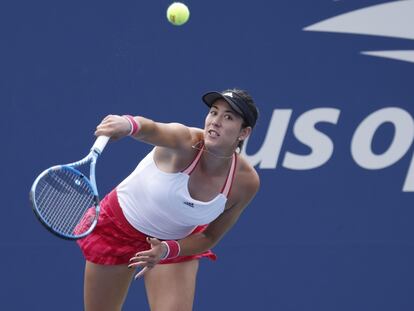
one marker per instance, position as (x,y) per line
(213,133)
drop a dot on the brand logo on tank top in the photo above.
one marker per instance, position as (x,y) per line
(190,204)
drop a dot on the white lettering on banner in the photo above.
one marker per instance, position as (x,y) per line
(409,180)
(322,146)
(403,137)
(268,154)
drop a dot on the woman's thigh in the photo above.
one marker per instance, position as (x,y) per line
(171,286)
(105,286)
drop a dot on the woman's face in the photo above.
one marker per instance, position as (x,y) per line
(223,127)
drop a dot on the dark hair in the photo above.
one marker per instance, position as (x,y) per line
(242,94)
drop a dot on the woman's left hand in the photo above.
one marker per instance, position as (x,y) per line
(148,259)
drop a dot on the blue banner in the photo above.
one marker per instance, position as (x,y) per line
(331,227)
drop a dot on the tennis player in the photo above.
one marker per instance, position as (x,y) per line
(173,208)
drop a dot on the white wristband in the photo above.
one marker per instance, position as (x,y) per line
(166,251)
(131,126)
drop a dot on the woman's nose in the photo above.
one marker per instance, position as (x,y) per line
(216,121)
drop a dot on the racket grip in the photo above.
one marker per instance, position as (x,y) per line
(100,144)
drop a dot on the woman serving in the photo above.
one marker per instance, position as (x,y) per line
(174,207)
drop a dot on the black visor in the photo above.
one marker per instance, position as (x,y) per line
(236,102)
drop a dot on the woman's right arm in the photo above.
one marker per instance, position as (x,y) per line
(169,135)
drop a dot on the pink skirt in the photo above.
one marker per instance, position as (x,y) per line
(114,241)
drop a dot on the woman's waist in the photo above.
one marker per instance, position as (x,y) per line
(113,209)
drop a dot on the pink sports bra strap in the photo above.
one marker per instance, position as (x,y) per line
(230,177)
(193,164)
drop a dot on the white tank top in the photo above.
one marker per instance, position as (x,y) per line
(159,204)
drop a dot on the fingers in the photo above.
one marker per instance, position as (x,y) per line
(146,262)
(114,126)
(146,259)
(107,117)
(141,273)
(147,253)
(145,267)
(141,264)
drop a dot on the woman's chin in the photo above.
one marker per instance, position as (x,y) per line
(213,139)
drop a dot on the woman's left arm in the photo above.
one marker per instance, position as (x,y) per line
(202,241)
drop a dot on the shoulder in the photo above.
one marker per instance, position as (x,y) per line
(178,128)
(246,183)
(196,134)
(176,157)
(186,135)
(247,176)
(191,134)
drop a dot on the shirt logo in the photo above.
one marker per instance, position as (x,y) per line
(190,204)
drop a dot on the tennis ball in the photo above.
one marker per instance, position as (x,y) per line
(178,13)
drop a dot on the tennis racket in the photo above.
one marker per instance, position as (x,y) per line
(64,200)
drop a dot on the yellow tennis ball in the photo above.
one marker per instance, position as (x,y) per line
(178,13)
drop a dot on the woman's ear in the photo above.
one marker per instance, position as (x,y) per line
(245,132)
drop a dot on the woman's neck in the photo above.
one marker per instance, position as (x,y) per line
(214,165)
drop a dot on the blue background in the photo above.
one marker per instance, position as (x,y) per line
(338,237)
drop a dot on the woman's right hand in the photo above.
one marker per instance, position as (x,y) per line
(114,126)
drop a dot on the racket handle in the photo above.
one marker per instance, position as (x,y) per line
(100,144)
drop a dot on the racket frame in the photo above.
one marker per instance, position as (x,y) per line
(92,157)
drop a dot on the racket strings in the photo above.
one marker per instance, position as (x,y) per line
(67,203)
(62,199)
(63,206)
